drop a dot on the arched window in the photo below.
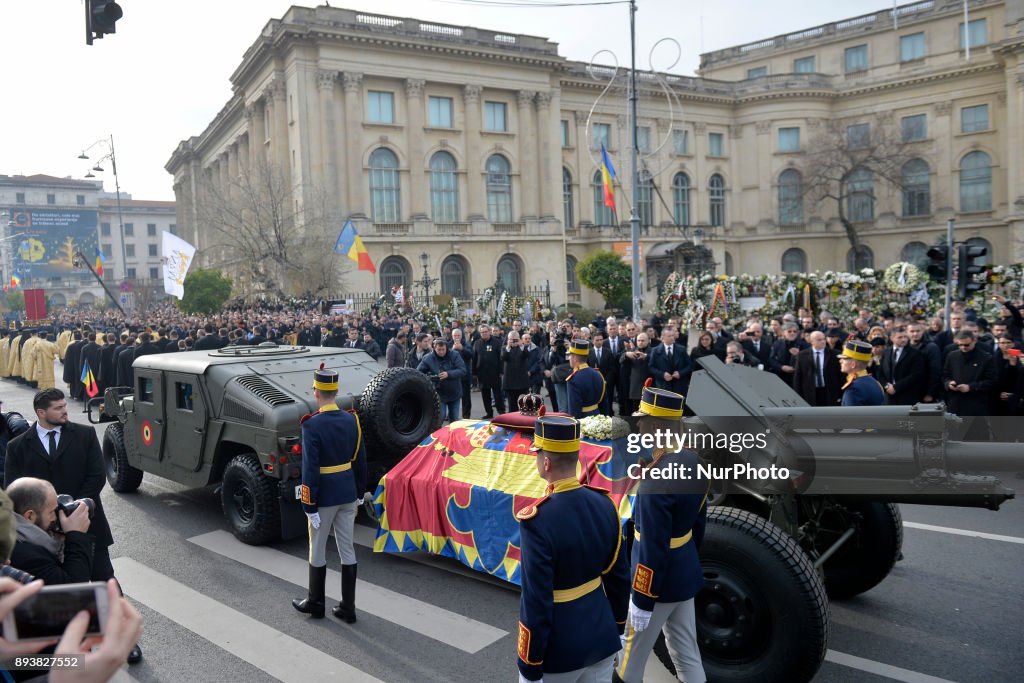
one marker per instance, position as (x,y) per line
(567,217)
(862,258)
(455,277)
(395,271)
(716,199)
(444,188)
(499,189)
(681,199)
(916,188)
(791,198)
(915,253)
(728,263)
(645,199)
(982,242)
(510,273)
(385,194)
(860,196)
(794,261)
(572,281)
(602,214)
(976,182)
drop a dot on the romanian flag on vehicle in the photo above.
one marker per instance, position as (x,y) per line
(100,260)
(350,244)
(89,380)
(607,178)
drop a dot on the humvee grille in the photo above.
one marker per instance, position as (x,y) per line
(262,389)
(238,411)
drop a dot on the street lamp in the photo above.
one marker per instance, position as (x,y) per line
(426,282)
(109,146)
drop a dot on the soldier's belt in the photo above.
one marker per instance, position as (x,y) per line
(333,469)
(673,543)
(593,407)
(570,594)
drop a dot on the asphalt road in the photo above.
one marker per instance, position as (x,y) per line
(951,610)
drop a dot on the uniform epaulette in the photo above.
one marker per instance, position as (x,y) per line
(530,511)
(598,489)
(305,417)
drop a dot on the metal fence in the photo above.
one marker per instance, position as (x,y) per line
(479,300)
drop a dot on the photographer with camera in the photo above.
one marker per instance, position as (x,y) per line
(52,544)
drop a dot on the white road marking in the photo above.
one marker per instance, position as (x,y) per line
(289,660)
(453,629)
(964,532)
(880,669)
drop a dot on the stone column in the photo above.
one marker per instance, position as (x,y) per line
(1015,172)
(943,166)
(584,171)
(257,133)
(548,157)
(419,209)
(474,164)
(353,84)
(529,171)
(325,81)
(766,196)
(279,126)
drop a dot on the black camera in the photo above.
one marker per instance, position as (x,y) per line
(69,504)
(16,574)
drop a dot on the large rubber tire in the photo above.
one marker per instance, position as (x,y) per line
(250,501)
(121,476)
(398,409)
(762,616)
(865,559)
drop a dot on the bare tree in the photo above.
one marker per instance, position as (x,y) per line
(272,238)
(847,160)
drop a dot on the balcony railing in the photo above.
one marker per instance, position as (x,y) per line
(392,228)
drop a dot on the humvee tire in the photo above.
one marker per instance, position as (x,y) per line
(121,476)
(397,410)
(762,616)
(865,559)
(250,501)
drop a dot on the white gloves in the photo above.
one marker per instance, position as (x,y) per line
(638,618)
(314,519)
(527,680)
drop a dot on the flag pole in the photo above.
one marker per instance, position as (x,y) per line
(634,218)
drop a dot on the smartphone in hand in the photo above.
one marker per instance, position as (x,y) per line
(45,615)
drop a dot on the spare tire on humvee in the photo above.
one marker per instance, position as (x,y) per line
(231,417)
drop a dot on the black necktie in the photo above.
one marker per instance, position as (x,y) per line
(819,380)
(53,442)
(669,350)
(599,355)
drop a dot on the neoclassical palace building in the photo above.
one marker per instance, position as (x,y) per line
(477,147)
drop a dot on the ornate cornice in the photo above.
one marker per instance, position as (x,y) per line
(543,100)
(325,79)
(525,97)
(276,89)
(352,81)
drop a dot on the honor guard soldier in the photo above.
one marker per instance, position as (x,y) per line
(333,480)
(669,516)
(861,389)
(575,580)
(585,385)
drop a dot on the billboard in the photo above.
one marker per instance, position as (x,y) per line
(49,239)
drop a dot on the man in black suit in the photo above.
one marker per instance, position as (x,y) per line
(670,365)
(969,377)
(932,361)
(207,342)
(608,365)
(783,357)
(755,345)
(125,357)
(904,375)
(352,341)
(615,344)
(72,373)
(816,375)
(146,348)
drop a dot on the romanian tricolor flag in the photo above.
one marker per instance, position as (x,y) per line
(350,244)
(15,280)
(100,260)
(89,380)
(607,178)
(456,494)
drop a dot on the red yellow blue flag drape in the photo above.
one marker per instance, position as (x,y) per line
(89,380)
(100,260)
(350,244)
(15,280)
(607,177)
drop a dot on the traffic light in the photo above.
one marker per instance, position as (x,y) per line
(938,263)
(969,264)
(100,18)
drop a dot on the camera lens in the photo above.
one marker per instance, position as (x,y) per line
(16,574)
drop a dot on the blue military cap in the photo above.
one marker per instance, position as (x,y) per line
(857,350)
(581,347)
(325,380)
(556,433)
(660,403)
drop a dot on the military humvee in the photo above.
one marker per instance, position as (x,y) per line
(231,417)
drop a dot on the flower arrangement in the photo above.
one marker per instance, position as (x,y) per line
(903,278)
(483,301)
(596,427)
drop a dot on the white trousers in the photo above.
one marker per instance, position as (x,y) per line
(342,518)
(598,672)
(679,622)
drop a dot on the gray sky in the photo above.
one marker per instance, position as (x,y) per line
(164,75)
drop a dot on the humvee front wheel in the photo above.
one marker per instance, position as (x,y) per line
(762,615)
(250,501)
(121,476)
